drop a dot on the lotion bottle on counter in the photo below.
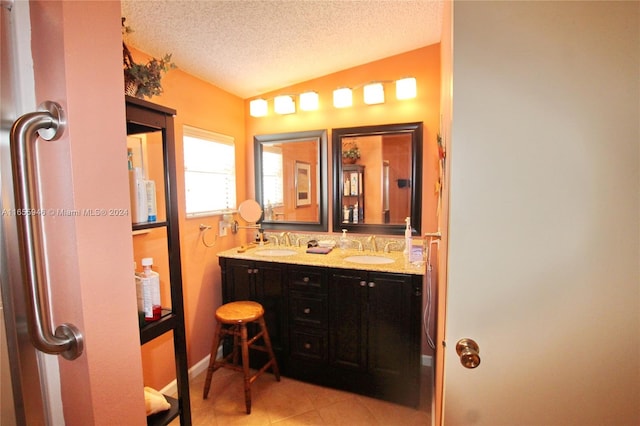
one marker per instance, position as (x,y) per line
(408,241)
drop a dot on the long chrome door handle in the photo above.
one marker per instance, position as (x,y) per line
(49,123)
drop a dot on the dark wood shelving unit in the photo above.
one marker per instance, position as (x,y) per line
(146,117)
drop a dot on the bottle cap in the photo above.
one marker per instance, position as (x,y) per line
(147,261)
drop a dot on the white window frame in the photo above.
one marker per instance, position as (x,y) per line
(211,173)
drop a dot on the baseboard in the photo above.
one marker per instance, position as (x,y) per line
(198,367)
(426,360)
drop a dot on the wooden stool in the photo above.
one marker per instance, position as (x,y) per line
(234,317)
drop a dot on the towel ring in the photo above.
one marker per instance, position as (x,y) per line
(203,230)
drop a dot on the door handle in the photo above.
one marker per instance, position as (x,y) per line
(49,123)
(469,353)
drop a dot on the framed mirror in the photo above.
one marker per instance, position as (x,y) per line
(291,180)
(377,180)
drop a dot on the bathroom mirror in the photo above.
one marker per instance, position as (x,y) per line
(377,180)
(291,180)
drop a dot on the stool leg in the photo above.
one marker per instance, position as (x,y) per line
(245,366)
(236,333)
(212,360)
(267,343)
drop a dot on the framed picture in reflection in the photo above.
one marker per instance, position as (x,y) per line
(303,184)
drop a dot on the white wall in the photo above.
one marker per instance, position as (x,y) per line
(544,214)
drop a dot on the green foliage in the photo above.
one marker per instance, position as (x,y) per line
(146,77)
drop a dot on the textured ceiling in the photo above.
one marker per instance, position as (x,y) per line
(251,47)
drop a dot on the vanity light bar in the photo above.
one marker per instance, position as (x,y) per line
(406,88)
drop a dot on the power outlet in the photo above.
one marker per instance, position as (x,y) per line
(222,229)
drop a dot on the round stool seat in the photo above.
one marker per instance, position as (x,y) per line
(239,312)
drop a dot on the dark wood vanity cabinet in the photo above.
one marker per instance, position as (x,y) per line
(348,329)
(262,282)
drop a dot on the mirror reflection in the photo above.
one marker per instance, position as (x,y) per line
(378,173)
(291,180)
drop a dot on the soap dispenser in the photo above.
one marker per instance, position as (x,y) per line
(344,241)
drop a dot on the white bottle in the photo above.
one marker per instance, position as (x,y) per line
(152,208)
(138,194)
(355,213)
(149,287)
(344,241)
(408,241)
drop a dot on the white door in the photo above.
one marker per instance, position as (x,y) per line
(544,214)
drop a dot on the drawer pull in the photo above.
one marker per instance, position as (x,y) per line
(305,280)
(307,310)
(372,284)
(363,283)
(307,345)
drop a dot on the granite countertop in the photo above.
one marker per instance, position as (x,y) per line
(334,259)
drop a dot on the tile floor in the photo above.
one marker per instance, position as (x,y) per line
(291,402)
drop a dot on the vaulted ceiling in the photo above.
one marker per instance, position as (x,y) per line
(250,47)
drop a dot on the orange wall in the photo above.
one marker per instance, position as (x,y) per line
(423,63)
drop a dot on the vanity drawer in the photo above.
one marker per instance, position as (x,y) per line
(308,279)
(309,344)
(308,309)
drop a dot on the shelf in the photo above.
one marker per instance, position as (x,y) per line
(146,117)
(164,417)
(148,225)
(151,330)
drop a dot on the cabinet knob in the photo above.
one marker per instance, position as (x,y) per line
(305,280)
(307,345)
(307,310)
(255,271)
(372,284)
(363,283)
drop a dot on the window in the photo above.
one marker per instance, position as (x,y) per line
(272,182)
(209,172)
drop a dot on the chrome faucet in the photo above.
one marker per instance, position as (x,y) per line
(372,240)
(276,242)
(358,242)
(286,238)
(387,248)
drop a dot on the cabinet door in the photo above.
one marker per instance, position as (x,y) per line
(389,323)
(269,292)
(347,326)
(237,280)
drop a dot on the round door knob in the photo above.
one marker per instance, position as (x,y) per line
(469,353)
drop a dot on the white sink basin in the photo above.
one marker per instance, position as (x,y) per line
(369,259)
(275,252)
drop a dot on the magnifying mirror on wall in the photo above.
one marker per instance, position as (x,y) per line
(250,212)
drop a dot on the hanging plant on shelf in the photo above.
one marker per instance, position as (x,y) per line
(143,80)
(350,153)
